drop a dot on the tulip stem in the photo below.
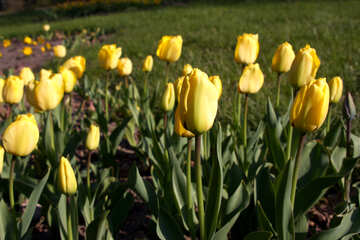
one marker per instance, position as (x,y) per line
(145,85)
(245,120)
(297,168)
(11,183)
(347,191)
(167,73)
(106,96)
(328,119)
(238,113)
(289,142)
(278,90)
(69,220)
(189,188)
(199,187)
(88,173)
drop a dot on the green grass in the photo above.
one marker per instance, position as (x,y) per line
(210,31)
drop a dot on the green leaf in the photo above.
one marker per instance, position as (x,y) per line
(263,219)
(301,227)
(356,142)
(265,194)
(31,207)
(50,139)
(8,229)
(97,229)
(118,134)
(61,214)
(167,228)
(259,236)
(337,157)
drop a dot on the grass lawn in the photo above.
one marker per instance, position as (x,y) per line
(210,31)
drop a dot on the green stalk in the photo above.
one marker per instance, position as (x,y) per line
(347,196)
(69,220)
(106,95)
(238,113)
(289,142)
(328,119)
(297,168)
(11,183)
(145,85)
(199,187)
(189,200)
(278,90)
(245,120)
(167,73)
(88,174)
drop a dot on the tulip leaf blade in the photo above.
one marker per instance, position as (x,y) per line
(260,235)
(118,134)
(50,139)
(31,207)
(167,227)
(8,229)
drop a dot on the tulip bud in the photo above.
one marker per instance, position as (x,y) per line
(69,79)
(27,40)
(178,84)
(108,56)
(349,107)
(251,79)
(59,51)
(13,90)
(27,75)
(66,177)
(168,98)
(21,136)
(283,58)
(46,27)
(198,104)
(2,152)
(247,48)
(124,67)
(218,84)
(148,64)
(2,83)
(336,88)
(311,106)
(49,91)
(187,69)
(304,67)
(27,51)
(169,48)
(76,64)
(93,137)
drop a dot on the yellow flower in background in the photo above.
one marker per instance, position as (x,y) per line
(247,48)
(218,84)
(187,69)
(76,64)
(336,89)
(148,64)
(169,48)
(69,78)
(27,51)
(2,83)
(66,177)
(21,137)
(196,111)
(304,67)
(2,152)
(251,80)
(6,43)
(27,75)
(34,43)
(0,55)
(311,105)
(108,56)
(27,40)
(93,137)
(124,67)
(13,90)
(42,49)
(48,46)
(46,27)
(59,51)
(49,91)
(168,98)
(283,58)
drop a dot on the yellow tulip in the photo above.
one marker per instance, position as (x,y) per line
(66,177)
(2,151)
(283,58)
(27,40)
(30,94)
(42,49)
(178,84)
(27,51)
(6,43)
(124,67)
(93,137)
(46,27)
(59,51)
(169,48)
(48,46)
(304,67)
(168,98)
(21,136)
(251,80)
(247,48)
(336,89)
(218,84)
(198,105)
(49,91)
(148,64)
(2,83)
(69,78)
(108,56)
(311,105)
(34,43)
(13,90)
(76,64)
(187,69)
(27,75)
(1,55)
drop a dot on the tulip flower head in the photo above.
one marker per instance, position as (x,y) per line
(148,64)
(124,67)
(251,80)
(169,48)
(48,46)
(27,40)
(93,137)
(69,78)
(27,75)
(13,90)
(27,51)
(2,83)
(76,64)
(59,51)
(66,177)
(46,27)
(283,58)
(247,48)
(108,56)
(178,85)
(21,137)
(336,89)
(304,67)
(6,43)
(311,106)
(2,152)
(196,111)
(168,98)
(187,69)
